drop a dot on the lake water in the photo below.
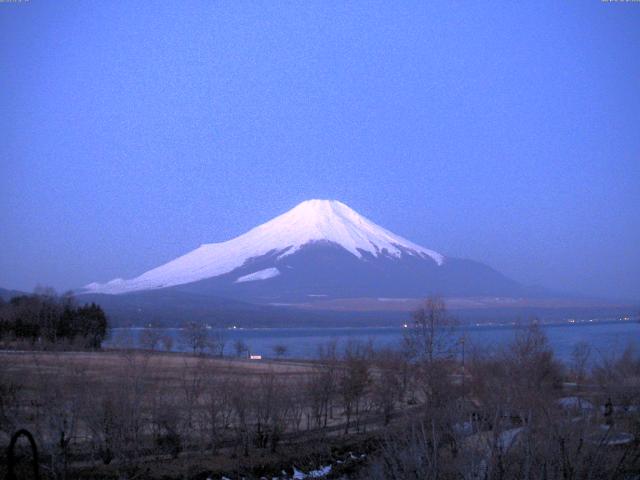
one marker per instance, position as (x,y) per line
(606,338)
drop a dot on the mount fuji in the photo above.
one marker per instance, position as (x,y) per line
(317,251)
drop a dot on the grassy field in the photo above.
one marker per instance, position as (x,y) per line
(182,414)
(110,365)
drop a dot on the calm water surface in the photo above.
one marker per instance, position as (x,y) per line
(606,338)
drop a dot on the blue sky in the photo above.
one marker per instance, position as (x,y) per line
(506,132)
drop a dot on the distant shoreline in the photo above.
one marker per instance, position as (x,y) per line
(551,323)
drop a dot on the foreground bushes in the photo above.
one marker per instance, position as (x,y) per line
(437,411)
(519,414)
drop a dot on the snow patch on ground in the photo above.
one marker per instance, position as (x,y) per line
(507,438)
(319,473)
(575,403)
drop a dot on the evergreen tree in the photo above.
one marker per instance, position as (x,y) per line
(45,316)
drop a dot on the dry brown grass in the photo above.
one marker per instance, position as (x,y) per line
(58,389)
(112,365)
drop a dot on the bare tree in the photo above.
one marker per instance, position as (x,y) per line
(280,350)
(416,452)
(216,344)
(218,407)
(321,386)
(354,381)
(534,373)
(269,408)
(150,338)
(387,382)
(122,338)
(618,375)
(240,348)
(580,361)
(520,381)
(241,398)
(298,405)
(432,333)
(195,336)
(58,408)
(167,342)
(167,425)
(11,413)
(192,381)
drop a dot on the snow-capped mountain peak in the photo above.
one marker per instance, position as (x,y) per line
(333,221)
(308,222)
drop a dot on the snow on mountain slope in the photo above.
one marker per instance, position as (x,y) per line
(259,275)
(310,221)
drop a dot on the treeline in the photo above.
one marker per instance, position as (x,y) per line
(47,319)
